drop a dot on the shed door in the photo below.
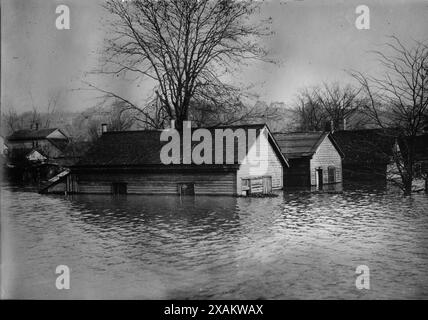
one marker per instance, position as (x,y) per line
(267,185)
(186,189)
(320,180)
(119,188)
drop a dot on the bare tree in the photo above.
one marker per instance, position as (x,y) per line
(11,121)
(399,100)
(327,103)
(119,117)
(309,112)
(184,46)
(51,108)
(339,103)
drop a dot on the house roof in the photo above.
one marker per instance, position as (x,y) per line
(60,144)
(366,146)
(27,134)
(35,151)
(302,144)
(141,148)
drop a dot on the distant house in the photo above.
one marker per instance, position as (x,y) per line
(128,162)
(33,155)
(37,156)
(315,158)
(368,153)
(49,142)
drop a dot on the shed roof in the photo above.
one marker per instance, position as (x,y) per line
(302,144)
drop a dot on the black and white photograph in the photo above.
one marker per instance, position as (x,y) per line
(182,150)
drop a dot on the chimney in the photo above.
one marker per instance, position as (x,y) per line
(172,124)
(104,128)
(331,126)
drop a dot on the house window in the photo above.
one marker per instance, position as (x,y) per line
(331,174)
(119,188)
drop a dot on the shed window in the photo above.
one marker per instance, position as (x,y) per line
(331,174)
(245,185)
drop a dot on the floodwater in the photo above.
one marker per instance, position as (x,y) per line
(296,246)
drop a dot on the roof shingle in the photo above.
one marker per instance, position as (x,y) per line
(27,134)
(299,144)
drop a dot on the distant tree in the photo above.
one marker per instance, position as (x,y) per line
(399,100)
(11,121)
(328,103)
(309,112)
(117,115)
(184,46)
(231,110)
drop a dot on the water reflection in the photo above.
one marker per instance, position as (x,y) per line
(297,245)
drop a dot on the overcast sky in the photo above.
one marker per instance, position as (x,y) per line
(316,39)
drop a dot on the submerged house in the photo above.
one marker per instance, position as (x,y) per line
(368,153)
(33,154)
(129,162)
(421,155)
(315,158)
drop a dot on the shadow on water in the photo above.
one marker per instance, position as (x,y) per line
(104,211)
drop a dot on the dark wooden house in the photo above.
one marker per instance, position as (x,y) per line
(315,158)
(368,153)
(128,162)
(421,155)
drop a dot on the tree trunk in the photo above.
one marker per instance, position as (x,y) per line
(407,184)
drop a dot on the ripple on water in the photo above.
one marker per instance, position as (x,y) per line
(298,245)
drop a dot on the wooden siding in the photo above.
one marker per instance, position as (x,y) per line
(326,156)
(364,172)
(158,183)
(269,163)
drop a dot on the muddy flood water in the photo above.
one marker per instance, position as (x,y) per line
(298,245)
